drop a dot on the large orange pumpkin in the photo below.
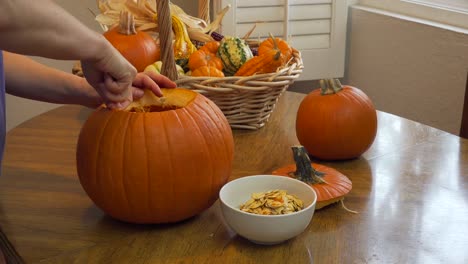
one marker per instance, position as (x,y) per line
(161,160)
(138,47)
(336,122)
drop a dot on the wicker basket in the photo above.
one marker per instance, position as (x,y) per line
(247,102)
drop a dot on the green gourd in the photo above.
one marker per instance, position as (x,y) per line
(234,52)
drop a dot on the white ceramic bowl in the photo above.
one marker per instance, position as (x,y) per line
(266,229)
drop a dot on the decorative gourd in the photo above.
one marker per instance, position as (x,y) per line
(160,160)
(183,46)
(276,43)
(330,185)
(204,58)
(207,71)
(157,67)
(336,122)
(234,52)
(269,61)
(138,47)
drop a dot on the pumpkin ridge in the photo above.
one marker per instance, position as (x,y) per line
(186,126)
(218,113)
(170,213)
(106,174)
(97,175)
(124,189)
(206,150)
(97,151)
(337,187)
(326,191)
(148,181)
(212,110)
(215,110)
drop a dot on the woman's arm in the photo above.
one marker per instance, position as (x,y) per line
(42,28)
(29,79)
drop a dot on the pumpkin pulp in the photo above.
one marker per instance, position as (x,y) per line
(172,99)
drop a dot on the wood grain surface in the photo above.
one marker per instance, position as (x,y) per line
(410,189)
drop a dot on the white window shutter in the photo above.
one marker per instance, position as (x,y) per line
(315,27)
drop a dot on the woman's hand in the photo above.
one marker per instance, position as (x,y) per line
(111,75)
(143,80)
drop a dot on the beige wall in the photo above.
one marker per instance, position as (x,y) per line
(408,68)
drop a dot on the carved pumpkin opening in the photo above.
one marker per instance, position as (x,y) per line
(172,99)
(152,108)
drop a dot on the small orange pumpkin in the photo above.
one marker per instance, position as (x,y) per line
(276,43)
(160,160)
(211,46)
(269,61)
(207,71)
(138,47)
(204,58)
(336,122)
(329,184)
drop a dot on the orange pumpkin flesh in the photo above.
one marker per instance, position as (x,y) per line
(161,160)
(138,47)
(336,123)
(329,184)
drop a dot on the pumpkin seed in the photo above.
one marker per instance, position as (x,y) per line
(273,202)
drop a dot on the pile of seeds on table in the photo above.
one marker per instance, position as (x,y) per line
(274,202)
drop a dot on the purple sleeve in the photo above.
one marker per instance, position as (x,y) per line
(2,109)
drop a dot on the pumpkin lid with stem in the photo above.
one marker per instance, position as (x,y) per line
(329,184)
(173,98)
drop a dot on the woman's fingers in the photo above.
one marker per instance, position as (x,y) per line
(143,81)
(161,80)
(115,95)
(153,81)
(137,93)
(118,88)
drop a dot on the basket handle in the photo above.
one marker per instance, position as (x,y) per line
(165,39)
(204,10)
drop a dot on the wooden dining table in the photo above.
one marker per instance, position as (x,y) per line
(410,191)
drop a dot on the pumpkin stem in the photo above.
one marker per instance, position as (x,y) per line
(275,47)
(304,170)
(330,86)
(127,23)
